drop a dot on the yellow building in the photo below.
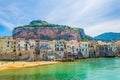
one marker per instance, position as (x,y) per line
(6,45)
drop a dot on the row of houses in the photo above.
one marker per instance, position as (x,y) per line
(34,50)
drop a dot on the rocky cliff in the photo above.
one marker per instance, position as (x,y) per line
(44,31)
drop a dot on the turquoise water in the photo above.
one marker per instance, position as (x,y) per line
(88,69)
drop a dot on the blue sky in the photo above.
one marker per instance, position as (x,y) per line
(94,16)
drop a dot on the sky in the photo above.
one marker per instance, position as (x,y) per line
(94,16)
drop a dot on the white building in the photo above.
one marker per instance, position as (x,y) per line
(84,48)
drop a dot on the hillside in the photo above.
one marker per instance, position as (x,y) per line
(45,31)
(108,37)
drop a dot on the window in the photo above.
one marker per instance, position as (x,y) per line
(86,50)
(61,44)
(14,50)
(77,49)
(62,49)
(86,45)
(18,45)
(57,49)
(82,49)
(56,45)
(8,42)
(25,44)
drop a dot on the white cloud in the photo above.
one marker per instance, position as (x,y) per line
(8,25)
(91,15)
(12,16)
(108,26)
(74,12)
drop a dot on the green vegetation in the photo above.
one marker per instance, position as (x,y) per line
(44,24)
(84,40)
(76,29)
(39,22)
(108,37)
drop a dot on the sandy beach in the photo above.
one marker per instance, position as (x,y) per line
(19,64)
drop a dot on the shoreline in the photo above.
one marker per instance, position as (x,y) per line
(10,65)
(19,64)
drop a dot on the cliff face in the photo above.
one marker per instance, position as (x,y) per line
(45,31)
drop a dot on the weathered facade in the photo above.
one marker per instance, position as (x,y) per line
(55,50)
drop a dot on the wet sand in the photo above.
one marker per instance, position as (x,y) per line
(20,64)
